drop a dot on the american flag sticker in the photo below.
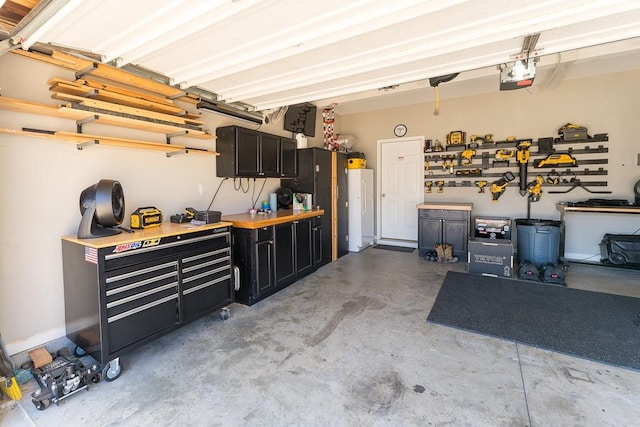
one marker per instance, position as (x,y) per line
(91,255)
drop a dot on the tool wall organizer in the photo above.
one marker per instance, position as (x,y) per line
(444,170)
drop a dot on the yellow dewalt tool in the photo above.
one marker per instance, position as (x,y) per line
(457,137)
(481,185)
(535,188)
(440,185)
(522,156)
(146,217)
(466,157)
(427,186)
(498,187)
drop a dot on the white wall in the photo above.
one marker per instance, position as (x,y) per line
(41,181)
(605,104)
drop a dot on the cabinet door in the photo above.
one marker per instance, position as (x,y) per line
(247,152)
(304,247)
(285,254)
(456,233)
(429,234)
(270,156)
(317,231)
(342,204)
(288,158)
(264,281)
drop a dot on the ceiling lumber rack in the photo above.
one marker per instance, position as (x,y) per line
(85,69)
(108,95)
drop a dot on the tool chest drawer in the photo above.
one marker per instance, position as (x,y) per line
(151,249)
(206,280)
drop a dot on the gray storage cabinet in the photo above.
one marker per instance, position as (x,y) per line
(440,223)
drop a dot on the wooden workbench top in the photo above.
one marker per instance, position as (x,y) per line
(163,230)
(255,221)
(446,206)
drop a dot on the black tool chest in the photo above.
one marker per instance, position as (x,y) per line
(126,290)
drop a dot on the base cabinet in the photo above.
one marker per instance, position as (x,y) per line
(122,295)
(271,258)
(438,226)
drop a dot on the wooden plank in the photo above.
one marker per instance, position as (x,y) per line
(44,58)
(80,138)
(67,112)
(124,77)
(22,106)
(123,109)
(97,84)
(73,88)
(150,126)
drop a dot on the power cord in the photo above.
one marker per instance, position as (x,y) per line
(216,193)
(239,185)
(254,190)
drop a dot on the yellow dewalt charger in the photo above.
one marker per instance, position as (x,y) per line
(146,217)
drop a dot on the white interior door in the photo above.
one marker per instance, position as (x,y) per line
(400,181)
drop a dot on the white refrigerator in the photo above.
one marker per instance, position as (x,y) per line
(361,233)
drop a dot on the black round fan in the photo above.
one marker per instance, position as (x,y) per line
(636,191)
(102,207)
(285,197)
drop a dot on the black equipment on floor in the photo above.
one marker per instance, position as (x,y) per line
(62,378)
(620,249)
(528,271)
(553,274)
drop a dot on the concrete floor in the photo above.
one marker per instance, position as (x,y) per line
(350,346)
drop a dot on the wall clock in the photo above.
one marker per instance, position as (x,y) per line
(400,130)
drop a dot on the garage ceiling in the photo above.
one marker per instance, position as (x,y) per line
(272,53)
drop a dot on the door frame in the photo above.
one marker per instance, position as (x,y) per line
(378,196)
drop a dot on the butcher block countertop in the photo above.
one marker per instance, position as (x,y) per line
(165,229)
(254,221)
(449,206)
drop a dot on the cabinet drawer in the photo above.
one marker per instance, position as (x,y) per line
(264,233)
(207,298)
(138,325)
(139,276)
(207,269)
(442,214)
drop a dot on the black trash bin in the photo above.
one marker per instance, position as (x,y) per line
(538,241)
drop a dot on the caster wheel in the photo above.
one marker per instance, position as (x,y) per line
(617,259)
(112,371)
(96,378)
(79,352)
(224,314)
(41,405)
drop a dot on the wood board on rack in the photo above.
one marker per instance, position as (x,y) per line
(82,139)
(111,118)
